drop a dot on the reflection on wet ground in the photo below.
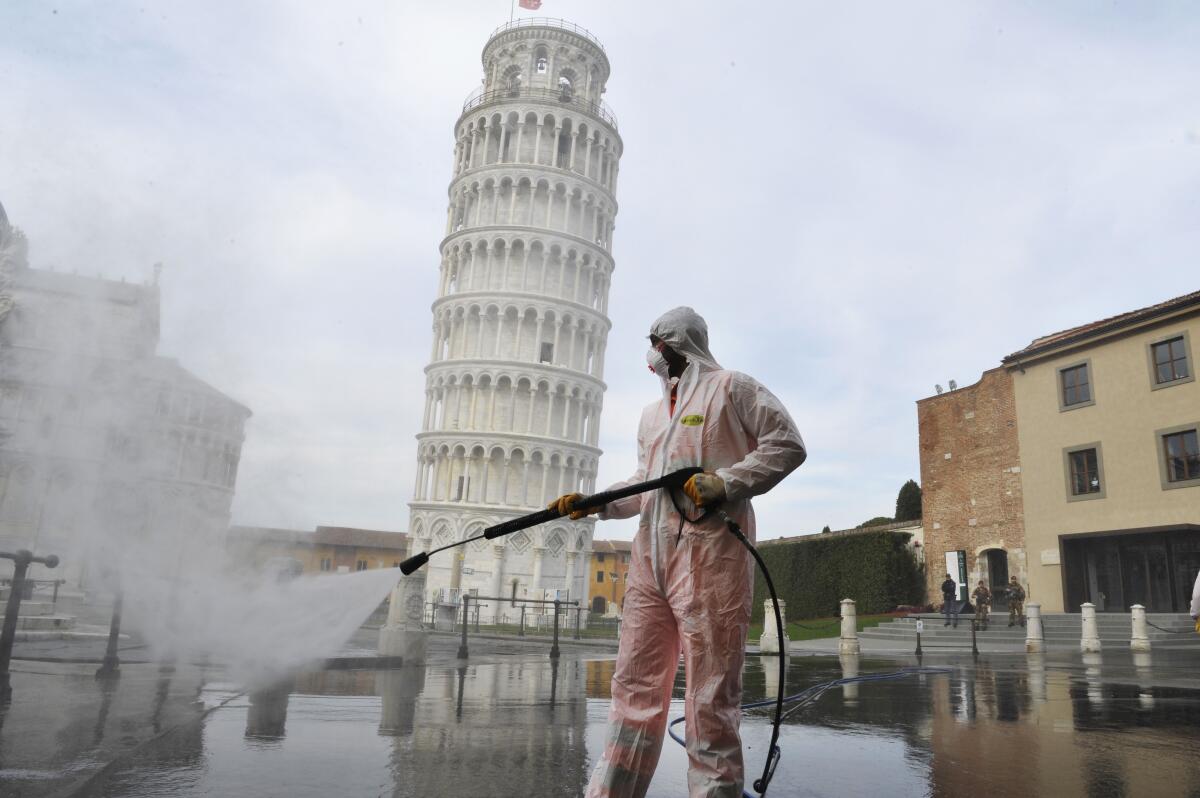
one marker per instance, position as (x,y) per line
(518,726)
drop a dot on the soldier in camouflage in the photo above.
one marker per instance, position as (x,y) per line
(983,605)
(1016,603)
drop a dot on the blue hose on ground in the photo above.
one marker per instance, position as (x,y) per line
(808,696)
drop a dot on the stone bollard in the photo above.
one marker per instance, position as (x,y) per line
(1138,640)
(404,633)
(1089,641)
(1092,663)
(773,640)
(1142,665)
(848,643)
(770,666)
(1036,662)
(849,670)
(1035,640)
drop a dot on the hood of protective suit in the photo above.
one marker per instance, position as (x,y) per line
(684,330)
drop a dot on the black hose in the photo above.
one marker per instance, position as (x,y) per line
(773,752)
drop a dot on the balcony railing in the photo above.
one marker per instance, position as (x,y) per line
(548,22)
(559,96)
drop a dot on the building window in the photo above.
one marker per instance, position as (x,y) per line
(395,563)
(599,576)
(361,565)
(547,353)
(1085,472)
(599,557)
(464,484)
(1169,361)
(326,564)
(1181,457)
(543,65)
(1075,386)
(1083,468)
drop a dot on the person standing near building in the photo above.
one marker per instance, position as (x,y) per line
(690,582)
(983,605)
(950,601)
(1016,603)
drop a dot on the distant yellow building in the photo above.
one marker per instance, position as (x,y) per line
(608,575)
(332,549)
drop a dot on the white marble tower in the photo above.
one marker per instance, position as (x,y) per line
(515,381)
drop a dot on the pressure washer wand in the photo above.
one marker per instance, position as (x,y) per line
(672,481)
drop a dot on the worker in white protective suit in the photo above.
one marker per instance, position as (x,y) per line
(690,584)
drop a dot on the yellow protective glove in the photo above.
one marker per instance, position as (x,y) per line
(565,505)
(1198,626)
(705,489)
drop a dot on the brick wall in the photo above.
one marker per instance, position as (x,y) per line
(970,478)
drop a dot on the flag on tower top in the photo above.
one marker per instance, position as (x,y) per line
(532,5)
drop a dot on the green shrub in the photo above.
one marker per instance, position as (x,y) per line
(814,574)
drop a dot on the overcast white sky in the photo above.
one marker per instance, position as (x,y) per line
(862,199)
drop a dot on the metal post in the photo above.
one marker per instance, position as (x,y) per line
(111,666)
(577,611)
(521,631)
(54,600)
(974,645)
(477,607)
(21,560)
(554,648)
(462,647)
(20,565)
(918,644)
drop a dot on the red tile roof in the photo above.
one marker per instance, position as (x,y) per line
(611,546)
(1085,331)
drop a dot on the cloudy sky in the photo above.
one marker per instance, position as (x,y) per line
(862,199)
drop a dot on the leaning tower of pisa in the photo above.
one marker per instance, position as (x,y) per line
(515,384)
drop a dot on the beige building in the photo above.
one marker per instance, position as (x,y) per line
(327,549)
(1107,422)
(1073,466)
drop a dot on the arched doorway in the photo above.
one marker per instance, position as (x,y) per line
(997,575)
(599,605)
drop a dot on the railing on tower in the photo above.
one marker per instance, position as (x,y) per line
(560,95)
(548,22)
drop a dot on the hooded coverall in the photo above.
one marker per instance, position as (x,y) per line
(691,590)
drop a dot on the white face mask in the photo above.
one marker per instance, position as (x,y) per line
(658,363)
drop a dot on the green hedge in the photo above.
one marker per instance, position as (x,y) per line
(814,574)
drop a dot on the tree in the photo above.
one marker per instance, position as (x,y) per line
(876,521)
(908,502)
(825,530)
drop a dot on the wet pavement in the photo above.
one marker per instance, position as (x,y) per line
(509,723)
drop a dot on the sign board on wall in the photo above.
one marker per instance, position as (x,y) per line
(956,566)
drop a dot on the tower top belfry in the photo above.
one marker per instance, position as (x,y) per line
(514,386)
(547,54)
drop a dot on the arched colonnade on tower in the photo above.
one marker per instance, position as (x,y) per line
(528,200)
(539,138)
(510,475)
(506,402)
(525,332)
(519,264)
